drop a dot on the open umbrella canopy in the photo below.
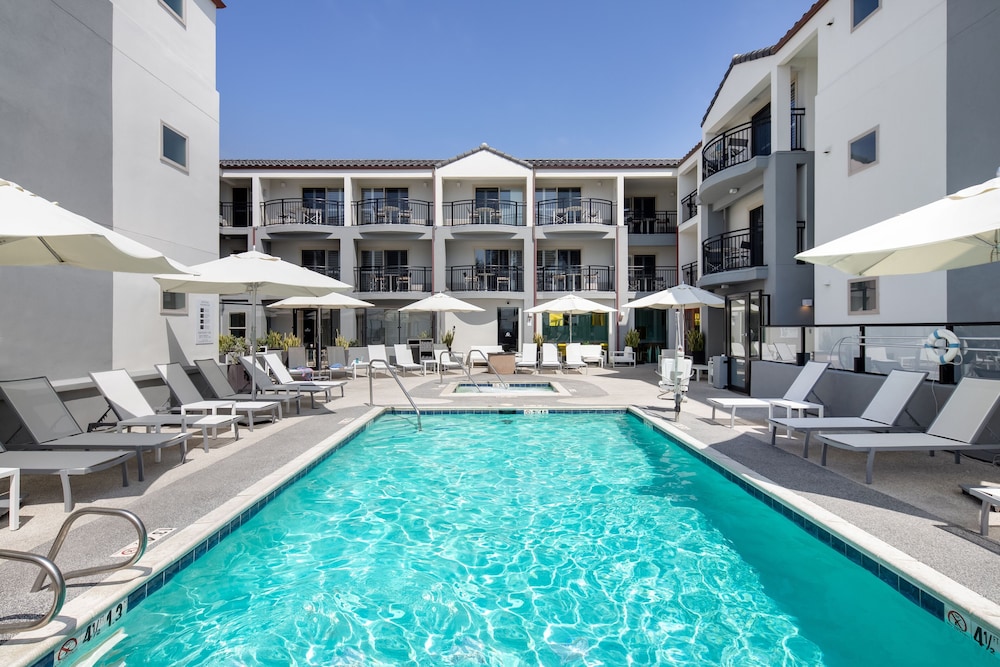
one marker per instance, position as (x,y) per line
(333,300)
(442,303)
(572,304)
(956,231)
(37,232)
(678,297)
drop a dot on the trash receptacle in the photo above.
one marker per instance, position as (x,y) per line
(718,372)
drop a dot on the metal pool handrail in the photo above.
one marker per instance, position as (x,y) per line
(465,369)
(488,365)
(392,372)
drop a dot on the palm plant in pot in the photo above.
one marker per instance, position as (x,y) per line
(695,345)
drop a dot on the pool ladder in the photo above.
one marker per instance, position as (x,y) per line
(488,365)
(392,372)
(49,570)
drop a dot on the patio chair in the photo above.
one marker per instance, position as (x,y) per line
(185,393)
(794,398)
(297,364)
(574,358)
(378,353)
(881,414)
(262,380)
(675,376)
(592,354)
(218,384)
(336,360)
(284,377)
(357,358)
(956,428)
(446,361)
(528,360)
(50,425)
(624,357)
(133,410)
(404,358)
(550,357)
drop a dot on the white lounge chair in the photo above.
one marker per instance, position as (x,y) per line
(592,354)
(357,358)
(550,357)
(528,360)
(574,358)
(990,497)
(446,361)
(404,358)
(133,410)
(218,384)
(956,428)
(336,360)
(185,393)
(284,377)
(624,357)
(262,380)
(794,398)
(881,414)
(378,359)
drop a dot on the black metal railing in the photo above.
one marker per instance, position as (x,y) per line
(689,273)
(392,279)
(800,239)
(485,278)
(736,146)
(577,278)
(585,211)
(738,249)
(403,211)
(480,212)
(798,128)
(235,214)
(643,279)
(661,222)
(689,205)
(328,271)
(304,212)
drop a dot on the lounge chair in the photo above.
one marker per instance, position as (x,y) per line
(284,377)
(297,363)
(592,354)
(990,497)
(185,393)
(881,414)
(262,380)
(529,358)
(336,360)
(550,357)
(377,354)
(675,377)
(404,358)
(133,410)
(218,384)
(50,425)
(357,358)
(624,357)
(794,398)
(446,361)
(574,358)
(956,428)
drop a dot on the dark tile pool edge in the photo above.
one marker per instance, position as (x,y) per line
(985,634)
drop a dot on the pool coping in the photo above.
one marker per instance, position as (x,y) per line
(936,593)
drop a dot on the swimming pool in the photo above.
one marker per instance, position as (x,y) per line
(512,538)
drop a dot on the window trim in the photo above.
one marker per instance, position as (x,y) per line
(867,279)
(187,153)
(180,17)
(857,169)
(855,24)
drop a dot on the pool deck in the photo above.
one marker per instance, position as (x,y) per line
(914,505)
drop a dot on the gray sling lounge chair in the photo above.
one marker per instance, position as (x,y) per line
(956,428)
(264,383)
(186,393)
(284,376)
(881,414)
(794,398)
(218,384)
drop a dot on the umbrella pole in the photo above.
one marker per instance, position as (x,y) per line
(679,322)
(253,341)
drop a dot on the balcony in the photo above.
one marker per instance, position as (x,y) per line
(380,279)
(689,273)
(394,212)
(575,279)
(584,211)
(235,214)
(740,249)
(643,279)
(744,142)
(485,278)
(480,212)
(328,271)
(660,222)
(689,205)
(304,212)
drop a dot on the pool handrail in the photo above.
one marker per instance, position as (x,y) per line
(371,386)
(488,365)
(465,369)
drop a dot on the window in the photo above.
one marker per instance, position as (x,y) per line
(863,152)
(862,9)
(175,6)
(238,325)
(326,262)
(173,303)
(326,203)
(173,147)
(862,296)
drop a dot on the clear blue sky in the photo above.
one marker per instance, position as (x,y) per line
(387,79)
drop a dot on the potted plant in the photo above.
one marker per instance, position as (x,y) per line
(632,339)
(538,338)
(231,347)
(448,337)
(695,345)
(342,341)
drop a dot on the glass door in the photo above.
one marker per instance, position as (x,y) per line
(747,316)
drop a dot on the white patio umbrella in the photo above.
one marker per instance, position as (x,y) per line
(572,304)
(441,303)
(37,232)
(254,273)
(333,301)
(962,229)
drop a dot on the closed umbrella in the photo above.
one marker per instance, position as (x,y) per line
(333,301)
(571,304)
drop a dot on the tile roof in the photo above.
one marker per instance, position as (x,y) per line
(547,163)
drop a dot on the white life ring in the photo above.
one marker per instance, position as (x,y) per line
(951,348)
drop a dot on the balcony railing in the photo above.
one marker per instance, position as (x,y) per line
(328,271)
(575,279)
(798,129)
(642,279)
(394,212)
(234,214)
(393,279)
(586,211)
(736,146)
(689,273)
(485,278)
(661,222)
(738,249)
(304,212)
(689,205)
(488,212)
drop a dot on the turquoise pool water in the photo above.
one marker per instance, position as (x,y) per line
(521,539)
(508,388)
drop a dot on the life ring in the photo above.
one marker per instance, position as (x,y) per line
(952,346)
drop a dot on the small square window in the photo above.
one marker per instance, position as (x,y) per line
(174,147)
(862,296)
(862,152)
(862,9)
(175,6)
(238,325)
(173,303)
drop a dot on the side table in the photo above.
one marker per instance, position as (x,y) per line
(15,495)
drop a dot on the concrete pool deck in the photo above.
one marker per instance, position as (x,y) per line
(914,505)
